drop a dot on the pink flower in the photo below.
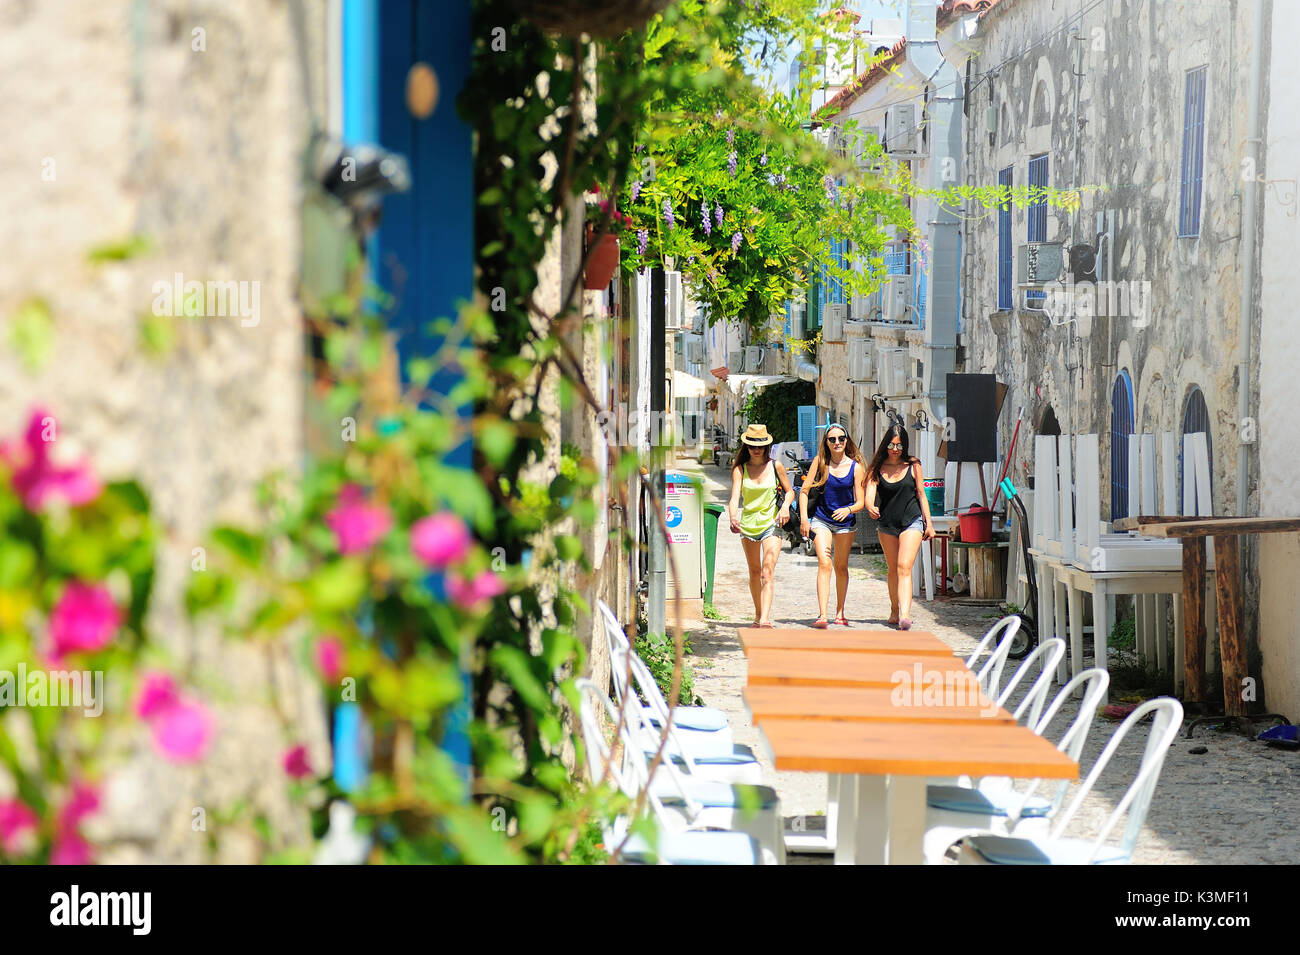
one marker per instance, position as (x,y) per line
(472,594)
(84,619)
(82,801)
(356,524)
(440,539)
(36,478)
(70,849)
(296,763)
(15,818)
(183,731)
(329,658)
(157,693)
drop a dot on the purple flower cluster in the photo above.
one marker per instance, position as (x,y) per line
(731,136)
(642,237)
(736,239)
(668,213)
(717,214)
(762,160)
(636,189)
(731,163)
(832,190)
(708,226)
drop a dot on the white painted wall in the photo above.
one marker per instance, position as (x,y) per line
(1279,451)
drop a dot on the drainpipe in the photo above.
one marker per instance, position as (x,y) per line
(1248,256)
(945,134)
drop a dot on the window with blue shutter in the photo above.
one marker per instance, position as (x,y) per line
(1037,212)
(1121,426)
(1004,243)
(920,298)
(808,428)
(1189,206)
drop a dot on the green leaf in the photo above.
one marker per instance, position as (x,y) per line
(121,250)
(496,439)
(243,546)
(31,333)
(339,585)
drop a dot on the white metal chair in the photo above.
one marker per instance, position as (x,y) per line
(684,836)
(703,730)
(989,674)
(1050,651)
(1167,718)
(995,806)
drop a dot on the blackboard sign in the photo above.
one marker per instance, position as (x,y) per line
(973,407)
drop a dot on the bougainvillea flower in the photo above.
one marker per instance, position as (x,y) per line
(82,801)
(355,523)
(183,731)
(36,478)
(84,619)
(157,693)
(440,540)
(16,817)
(472,594)
(296,763)
(329,658)
(70,849)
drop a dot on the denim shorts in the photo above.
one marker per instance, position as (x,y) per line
(916,525)
(771,530)
(815,523)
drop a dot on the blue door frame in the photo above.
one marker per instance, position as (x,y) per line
(423,251)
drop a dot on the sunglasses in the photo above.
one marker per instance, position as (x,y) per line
(895,447)
(837,439)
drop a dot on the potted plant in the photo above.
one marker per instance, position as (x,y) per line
(603,250)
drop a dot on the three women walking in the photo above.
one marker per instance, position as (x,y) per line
(839,485)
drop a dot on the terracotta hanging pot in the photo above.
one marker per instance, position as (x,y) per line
(602,263)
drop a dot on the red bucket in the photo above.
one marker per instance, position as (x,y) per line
(976,525)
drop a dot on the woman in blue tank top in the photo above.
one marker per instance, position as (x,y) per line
(839,476)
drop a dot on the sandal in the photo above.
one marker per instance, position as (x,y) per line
(905,623)
(820,623)
(842,620)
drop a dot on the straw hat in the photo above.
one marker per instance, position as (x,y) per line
(756,434)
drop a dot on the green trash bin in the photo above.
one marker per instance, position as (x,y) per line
(711,514)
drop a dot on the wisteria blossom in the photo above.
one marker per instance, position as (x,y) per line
(636,189)
(642,238)
(731,163)
(708,226)
(731,136)
(762,160)
(668,213)
(736,239)
(717,214)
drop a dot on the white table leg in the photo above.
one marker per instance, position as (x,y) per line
(1162,632)
(870,835)
(906,820)
(846,821)
(1076,630)
(1099,619)
(833,781)
(1062,630)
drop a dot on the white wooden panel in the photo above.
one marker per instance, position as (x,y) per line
(1204,497)
(1134,475)
(1189,477)
(1147,470)
(1065,521)
(1169,473)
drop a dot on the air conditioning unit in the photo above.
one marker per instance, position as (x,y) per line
(675,306)
(735,360)
(1040,262)
(892,370)
(866,308)
(695,350)
(833,322)
(896,298)
(902,130)
(862,360)
(863,156)
(753,359)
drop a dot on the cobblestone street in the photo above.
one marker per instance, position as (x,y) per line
(1236,803)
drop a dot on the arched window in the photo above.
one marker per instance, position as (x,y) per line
(1042,107)
(1121,426)
(1048,425)
(1196,418)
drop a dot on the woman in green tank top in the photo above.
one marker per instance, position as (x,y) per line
(756,510)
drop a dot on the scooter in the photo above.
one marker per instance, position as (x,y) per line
(796,469)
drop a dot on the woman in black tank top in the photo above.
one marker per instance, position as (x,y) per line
(894,498)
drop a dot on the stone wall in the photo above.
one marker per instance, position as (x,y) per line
(131,130)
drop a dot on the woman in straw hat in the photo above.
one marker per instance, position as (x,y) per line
(756,511)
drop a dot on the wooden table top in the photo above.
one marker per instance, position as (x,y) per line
(918,642)
(914,749)
(863,703)
(1174,526)
(842,668)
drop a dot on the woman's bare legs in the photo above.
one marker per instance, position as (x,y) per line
(822,545)
(909,542)
(754,557)
(843,544)
(771,551)
(889,544)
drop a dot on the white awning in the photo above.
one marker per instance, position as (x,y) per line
(688,386)
(742,384)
